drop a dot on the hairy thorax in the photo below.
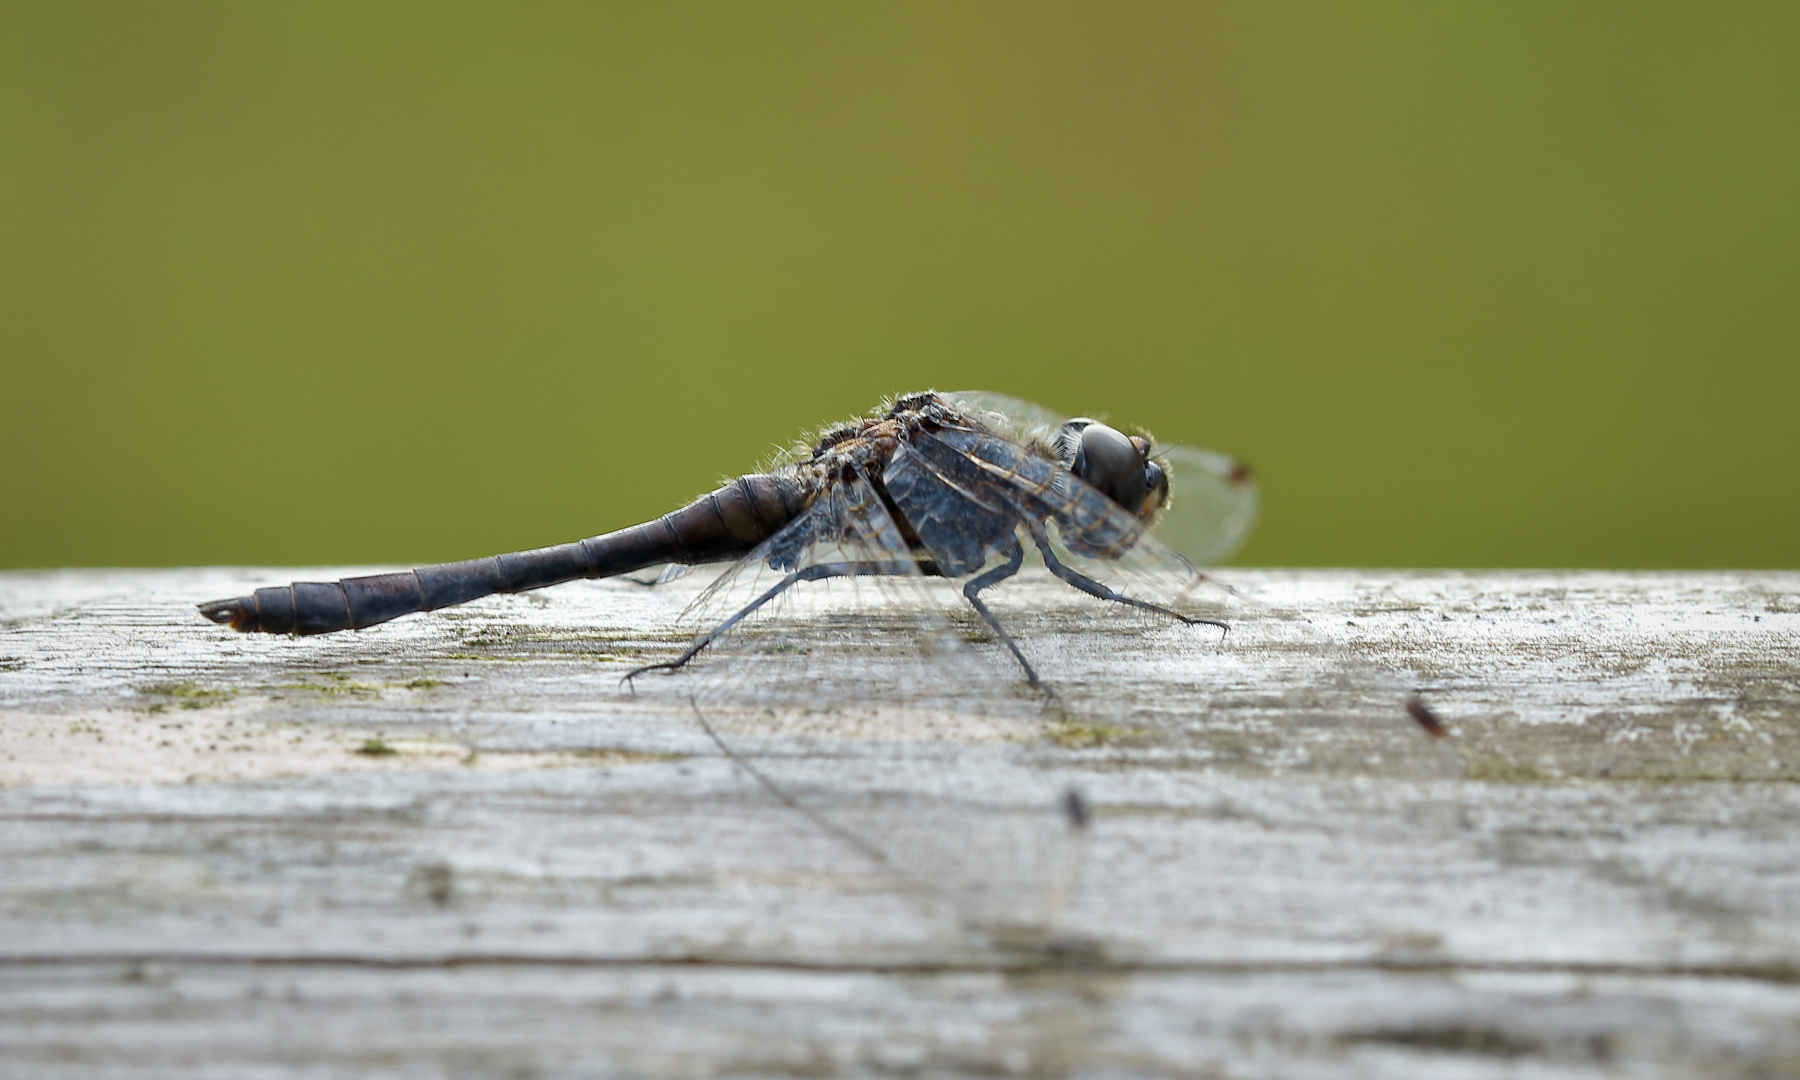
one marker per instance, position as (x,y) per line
(867,445)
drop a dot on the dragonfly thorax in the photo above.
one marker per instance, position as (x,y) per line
(1119,466)
(865,447)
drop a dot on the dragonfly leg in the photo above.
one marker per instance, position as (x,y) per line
(1094,588)
(994,577)
(819,572)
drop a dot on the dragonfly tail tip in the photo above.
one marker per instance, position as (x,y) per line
(233,613)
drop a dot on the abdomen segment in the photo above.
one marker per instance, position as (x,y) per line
(724,524)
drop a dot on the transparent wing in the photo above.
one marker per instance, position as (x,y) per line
(1015,418)
(852,688)
(1102,608)
(652,576)
(1212,504)
(1082,536)
(1213,499)
(672,572)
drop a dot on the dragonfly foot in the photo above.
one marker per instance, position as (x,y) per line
(666,665)
(1224,628)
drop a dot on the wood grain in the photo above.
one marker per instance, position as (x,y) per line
(454,845)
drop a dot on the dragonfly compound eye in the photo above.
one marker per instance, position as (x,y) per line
(1157,481)
(1109,461)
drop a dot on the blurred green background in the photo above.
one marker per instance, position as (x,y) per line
(1467,284)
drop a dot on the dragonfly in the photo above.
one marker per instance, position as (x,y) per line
(945,485)
(959,490)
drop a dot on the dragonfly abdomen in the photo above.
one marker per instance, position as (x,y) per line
(724,524)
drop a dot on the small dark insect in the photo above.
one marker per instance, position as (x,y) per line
(1418,710)
(956,486)
(1075,808)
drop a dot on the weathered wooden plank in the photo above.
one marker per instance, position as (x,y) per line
(1599,872)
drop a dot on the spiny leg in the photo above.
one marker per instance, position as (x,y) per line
(994,577)
(1094,588)
(818,572)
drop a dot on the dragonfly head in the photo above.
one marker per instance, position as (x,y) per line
(1117,465)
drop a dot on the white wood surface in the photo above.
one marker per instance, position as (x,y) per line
(1597,875)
